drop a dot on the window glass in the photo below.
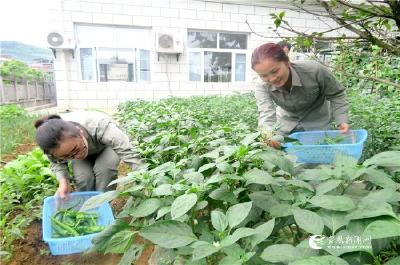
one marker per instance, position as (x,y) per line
(115,64)
(202,39)
(144,64)
(232,41)
(210,60)
(123,54)
(217,66)
(86,63)
(240,67)
(195,66)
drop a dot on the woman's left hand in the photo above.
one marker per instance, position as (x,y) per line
(344,127)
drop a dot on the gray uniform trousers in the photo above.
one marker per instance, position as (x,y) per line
(96,171)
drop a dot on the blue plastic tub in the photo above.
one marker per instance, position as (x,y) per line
(77,244)
(311,152)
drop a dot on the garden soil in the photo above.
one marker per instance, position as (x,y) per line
(19,150)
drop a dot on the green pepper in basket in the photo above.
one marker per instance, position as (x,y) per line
(67,223)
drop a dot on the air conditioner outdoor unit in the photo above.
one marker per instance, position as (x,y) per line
(168,43)
(57,40)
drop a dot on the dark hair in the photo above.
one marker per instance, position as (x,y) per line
(51,130)
(268,50)
(284,44)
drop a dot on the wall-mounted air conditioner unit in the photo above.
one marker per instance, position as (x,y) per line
(64,41)
(61,40)
(169,43)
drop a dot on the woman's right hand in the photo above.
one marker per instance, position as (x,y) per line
(63,188)
(274,144)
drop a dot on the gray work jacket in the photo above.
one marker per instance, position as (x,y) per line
(314,101)
(102,132)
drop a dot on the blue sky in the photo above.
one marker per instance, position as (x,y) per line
(25,21)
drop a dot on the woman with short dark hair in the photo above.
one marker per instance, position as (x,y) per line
(296,96)
(92,142)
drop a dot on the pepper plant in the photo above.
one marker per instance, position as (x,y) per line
(213,193)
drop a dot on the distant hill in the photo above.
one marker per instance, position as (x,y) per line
(24,52)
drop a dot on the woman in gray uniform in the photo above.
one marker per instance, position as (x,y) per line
(296,96)
(92,142)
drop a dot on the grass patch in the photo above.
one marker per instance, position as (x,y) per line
(16,127)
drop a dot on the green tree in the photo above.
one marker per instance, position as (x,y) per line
(18,69)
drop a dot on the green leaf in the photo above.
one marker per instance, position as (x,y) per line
(263,200)
(169,234)
(320,260)
(309,221)
(215,179)
(318,174)
(99,200)
(146,208)
(383,229)
(225,167)
(394,261)
(238,234)
(223,194)
(203,250)
(380,178)
(274,159)
(250,138)
(306,250)
(206,167)
(168,166)
(219,220)
(372,209)
(229,260)
(214,154)
(281,253)
(383,195)
(301,184)
(120,242)
(281,210)
(262,232)
(332,219)
(201,205)
(131,255)
(237,213)
(163,190)
(384,159)
(330,202)
(327,186)
(234,251)
(258,176)
(101,240)
(163,211)
(183,204)
(194,177)
(283,193)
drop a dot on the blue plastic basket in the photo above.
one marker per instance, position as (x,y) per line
(77,244)
(311,152)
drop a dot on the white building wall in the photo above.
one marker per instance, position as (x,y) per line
(169,77)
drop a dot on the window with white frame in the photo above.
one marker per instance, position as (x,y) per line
(217,56)
(113,53)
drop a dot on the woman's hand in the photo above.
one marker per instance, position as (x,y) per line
(344,127)
(272,139)
(63,188)
(274,144)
